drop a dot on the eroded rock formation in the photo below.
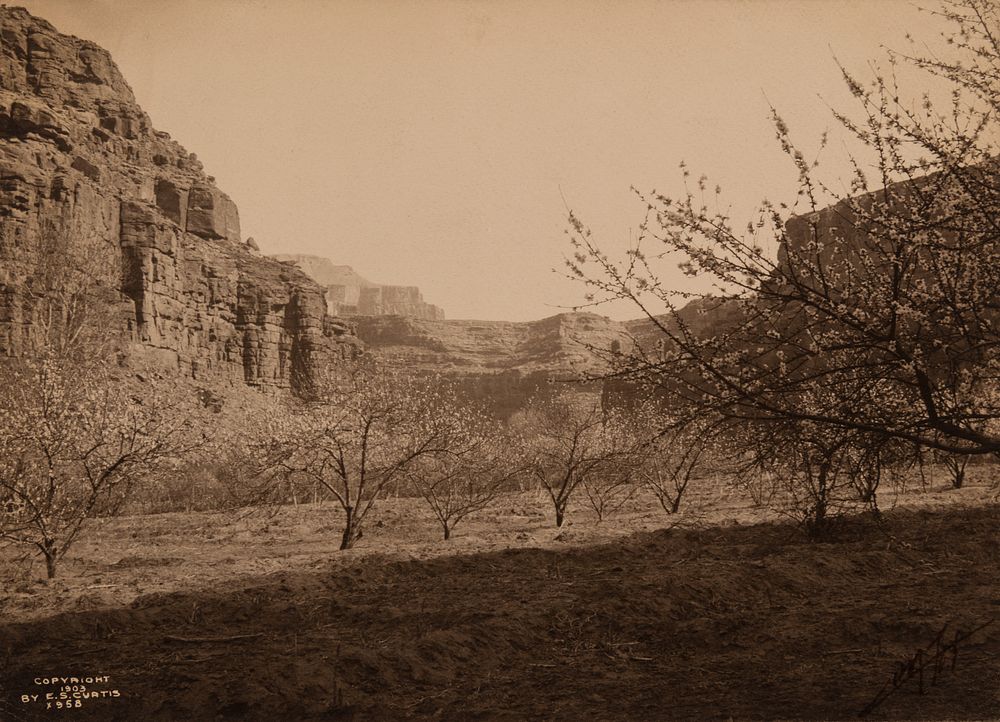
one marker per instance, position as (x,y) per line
(564,345)
(81,161)
(348,294)
(502,363)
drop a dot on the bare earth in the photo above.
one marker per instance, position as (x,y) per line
(720,612)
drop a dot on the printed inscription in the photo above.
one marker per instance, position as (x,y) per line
(60,692)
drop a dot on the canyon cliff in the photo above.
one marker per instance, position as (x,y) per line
(348,294)
(501,363)
(566,345)
(81,165)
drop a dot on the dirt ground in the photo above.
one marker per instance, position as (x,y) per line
(720,612)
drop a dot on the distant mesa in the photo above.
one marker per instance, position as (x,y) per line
(397,325)
(349,294)
(562,346)
(501,363)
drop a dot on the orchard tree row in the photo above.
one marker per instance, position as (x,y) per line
(79,442)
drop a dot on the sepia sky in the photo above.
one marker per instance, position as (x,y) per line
(433,142)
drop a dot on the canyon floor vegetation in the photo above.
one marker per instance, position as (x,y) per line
(722,610)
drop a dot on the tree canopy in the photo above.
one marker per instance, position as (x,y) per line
(878,314)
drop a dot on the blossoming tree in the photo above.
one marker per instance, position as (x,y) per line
(874,311)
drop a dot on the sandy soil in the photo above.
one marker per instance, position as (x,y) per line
(718,613)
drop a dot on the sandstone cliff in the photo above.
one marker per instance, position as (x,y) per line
(80,161)
(348,294)
(565,345)
(702,317)
(501,363)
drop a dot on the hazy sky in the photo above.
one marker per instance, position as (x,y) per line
(432,142)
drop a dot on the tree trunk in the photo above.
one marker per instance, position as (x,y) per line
(560,512)
(50,558)
(958,479)
(958,473)
(352,529)
(873,505)
(819,511)
(447,531)
(676,504)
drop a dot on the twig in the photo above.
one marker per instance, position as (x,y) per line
(930,659)
(200,640)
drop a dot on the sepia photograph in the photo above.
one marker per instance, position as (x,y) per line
(499,360)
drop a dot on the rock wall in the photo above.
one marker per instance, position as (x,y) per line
(348,294)
(81,161)
(500,363)
(701,316)
(394,301)
(566,345)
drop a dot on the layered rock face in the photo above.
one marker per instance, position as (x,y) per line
(390,301)
(566,345)
(498,362)
(81,162)
(702,316)
(502,363)
(348,294)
